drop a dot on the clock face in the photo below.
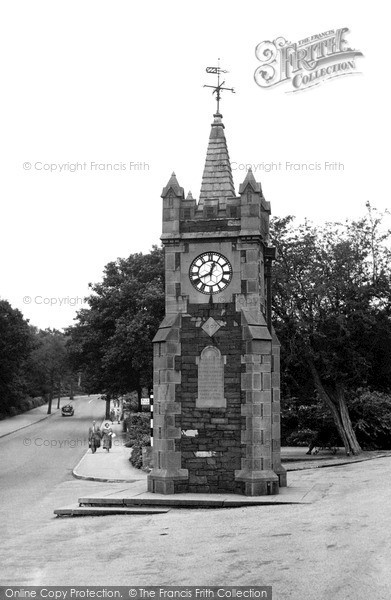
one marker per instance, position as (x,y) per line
(210,272)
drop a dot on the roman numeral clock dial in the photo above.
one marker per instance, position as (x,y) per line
(210,272)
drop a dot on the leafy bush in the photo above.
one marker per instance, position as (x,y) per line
(305,423)
(22,406)
(371,417)
(136,458)
(137,425)
(370,413)
(289,418)
(130,402)
(138,436)
(301,437)
(13,411)
(26,404)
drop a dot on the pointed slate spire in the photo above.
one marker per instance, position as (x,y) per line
(217,181)
(250,180)
(174,186)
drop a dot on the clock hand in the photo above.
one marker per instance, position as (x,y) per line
(210,272)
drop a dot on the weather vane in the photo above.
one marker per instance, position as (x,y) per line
(217,89)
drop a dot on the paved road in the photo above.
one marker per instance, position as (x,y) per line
(37,458)
(338,548)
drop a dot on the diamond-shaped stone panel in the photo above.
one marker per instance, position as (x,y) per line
(211,326)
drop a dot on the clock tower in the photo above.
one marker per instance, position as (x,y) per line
(216,356)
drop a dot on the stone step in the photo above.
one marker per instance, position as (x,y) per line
(183,502)
(151,502)
(99,510)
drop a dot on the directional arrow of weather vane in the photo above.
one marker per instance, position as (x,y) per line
(217,89)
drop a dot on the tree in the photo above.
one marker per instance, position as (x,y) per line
(332,290)
(112,339)
(16,342)
(49,364)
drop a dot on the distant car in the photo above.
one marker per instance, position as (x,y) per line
(67,411)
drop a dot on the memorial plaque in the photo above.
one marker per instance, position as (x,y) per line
(211,379)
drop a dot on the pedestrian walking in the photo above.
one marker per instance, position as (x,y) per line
(107,435)
(94,437)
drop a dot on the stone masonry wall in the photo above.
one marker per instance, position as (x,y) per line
(218,429)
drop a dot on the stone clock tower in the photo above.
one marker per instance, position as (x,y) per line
(216,357)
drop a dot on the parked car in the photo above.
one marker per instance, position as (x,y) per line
(67,410)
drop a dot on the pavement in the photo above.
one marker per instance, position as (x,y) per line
(112,466)
(12,424)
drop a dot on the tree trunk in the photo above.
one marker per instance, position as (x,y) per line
(49,412)
(339,412)
(51,394)
(107,407)
(59,394)
(347,424)
(139,394)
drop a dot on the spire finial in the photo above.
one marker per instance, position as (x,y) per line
(217,89)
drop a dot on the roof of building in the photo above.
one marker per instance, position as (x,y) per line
(174,186)
(217,181)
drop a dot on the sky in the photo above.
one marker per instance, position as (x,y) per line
(121,83)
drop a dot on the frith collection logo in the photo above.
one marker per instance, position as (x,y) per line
(305,63)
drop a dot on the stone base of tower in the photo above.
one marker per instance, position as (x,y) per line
(163,482)
(249,483)
(282,476)
(258,483)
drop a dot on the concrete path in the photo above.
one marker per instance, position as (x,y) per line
(12,424)
(112,466)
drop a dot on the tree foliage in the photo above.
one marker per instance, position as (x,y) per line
(16,343)
(32,362)
(112,339)
(48,366)
(332,291)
